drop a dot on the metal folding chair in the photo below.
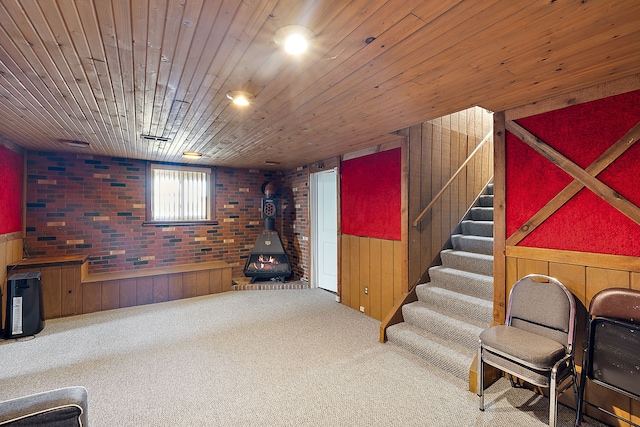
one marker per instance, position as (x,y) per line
(536,342)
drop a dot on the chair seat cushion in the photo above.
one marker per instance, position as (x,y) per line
(532,350)
(61,407)
(63,416)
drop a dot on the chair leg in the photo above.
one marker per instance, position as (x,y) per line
(553,399)
(480,377)
(580,397)
(574,374)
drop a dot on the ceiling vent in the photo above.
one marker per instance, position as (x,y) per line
(154,138)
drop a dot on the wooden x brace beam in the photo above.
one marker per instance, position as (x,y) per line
(582,178)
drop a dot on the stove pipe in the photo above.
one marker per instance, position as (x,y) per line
(269,205)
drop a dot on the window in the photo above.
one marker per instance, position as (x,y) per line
(180,194)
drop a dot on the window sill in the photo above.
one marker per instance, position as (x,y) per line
(178,223)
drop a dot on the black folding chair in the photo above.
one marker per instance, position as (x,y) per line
(612,350)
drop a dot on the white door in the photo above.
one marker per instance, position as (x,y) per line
(326,230)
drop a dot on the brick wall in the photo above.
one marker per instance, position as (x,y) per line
(295,219)
(96,205)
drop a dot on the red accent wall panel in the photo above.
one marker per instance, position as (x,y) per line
(586,223)
(10,191)
(371,196)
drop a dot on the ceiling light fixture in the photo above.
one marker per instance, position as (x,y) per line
(240,97)
(191,155)
(294,38)
(76,144)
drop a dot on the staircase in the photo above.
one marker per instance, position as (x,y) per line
(443,325)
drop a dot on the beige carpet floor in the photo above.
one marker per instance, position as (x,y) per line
(251,358)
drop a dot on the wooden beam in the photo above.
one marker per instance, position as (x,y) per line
(499,218)
(603,90)
(600,164)
(404,190)
(599,188)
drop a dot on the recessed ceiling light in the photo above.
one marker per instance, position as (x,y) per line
(240,97)
(294,38)
(191,155)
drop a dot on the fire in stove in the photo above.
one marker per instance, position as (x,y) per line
(265,263)
(270,263)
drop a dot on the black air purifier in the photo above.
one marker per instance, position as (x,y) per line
(25,312)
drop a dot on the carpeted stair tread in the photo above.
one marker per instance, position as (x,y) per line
(455,302)
(476,285)
(467,261)
(482,213)
(477,228)
(441,353)
(457,328)
(485,200)
(477,244)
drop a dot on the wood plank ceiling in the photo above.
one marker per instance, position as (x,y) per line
(108,71)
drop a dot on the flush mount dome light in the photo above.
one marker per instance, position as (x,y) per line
(240,97)
(294,38)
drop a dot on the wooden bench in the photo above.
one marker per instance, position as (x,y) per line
(106,291)
(68,288)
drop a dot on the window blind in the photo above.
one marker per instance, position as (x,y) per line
(180,195)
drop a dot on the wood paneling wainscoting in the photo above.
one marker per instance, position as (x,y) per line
(372,274)
(106,291)
(584,274)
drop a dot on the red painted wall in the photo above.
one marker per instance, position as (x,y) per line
(371,195)
(11,171)
(96,206)
(586,223)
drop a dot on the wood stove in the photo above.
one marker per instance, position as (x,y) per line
(268,260)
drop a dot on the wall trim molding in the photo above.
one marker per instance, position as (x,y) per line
(613,262)
(396,141)
(16,235)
